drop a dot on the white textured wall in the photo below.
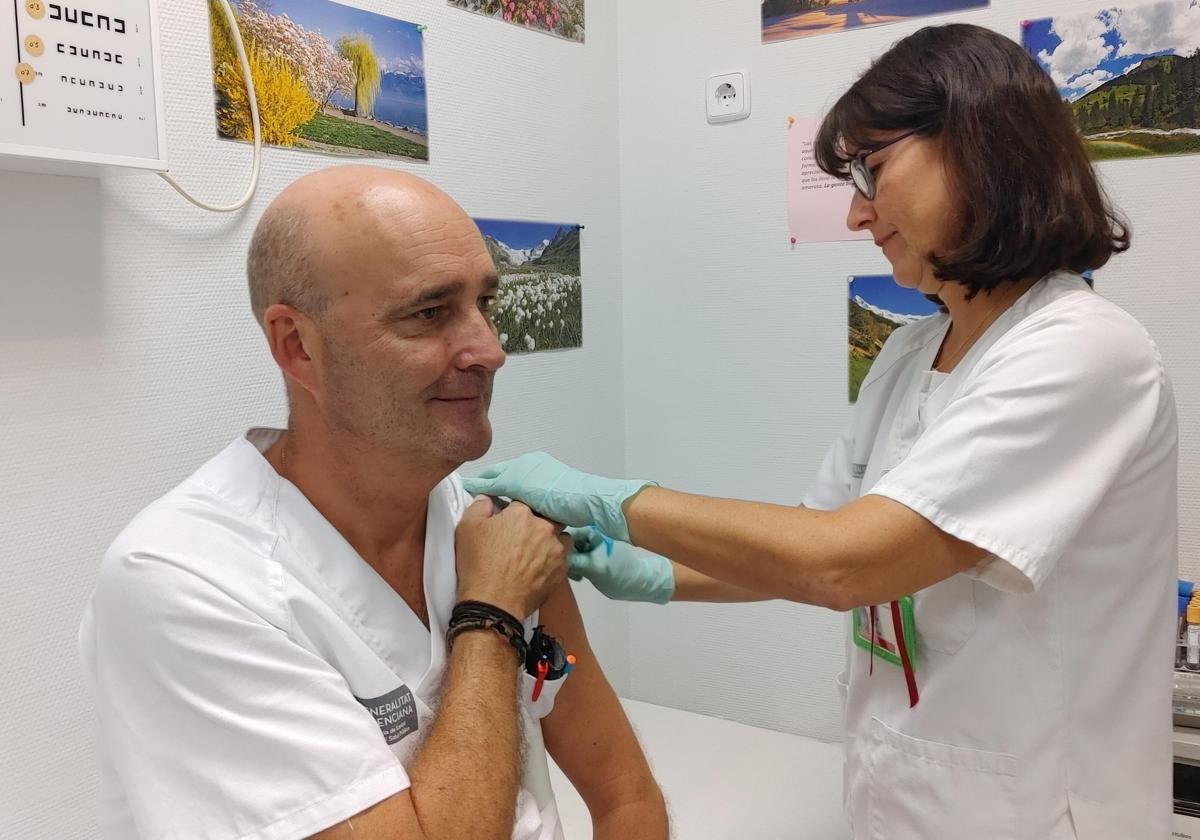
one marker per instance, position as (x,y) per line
(735,344)
(128,355)
(714,355)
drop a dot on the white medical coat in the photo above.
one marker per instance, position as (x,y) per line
(254,677)
(1044,672)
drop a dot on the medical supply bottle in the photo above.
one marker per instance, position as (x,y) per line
(1193,634)
(1181,634)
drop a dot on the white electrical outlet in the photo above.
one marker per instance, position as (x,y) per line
(727,97)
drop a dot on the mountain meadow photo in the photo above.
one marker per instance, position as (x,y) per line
(540,305)
(877,307)
(328,78)
(1131,76)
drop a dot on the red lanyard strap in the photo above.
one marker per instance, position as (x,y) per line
(910,676)
(874,617)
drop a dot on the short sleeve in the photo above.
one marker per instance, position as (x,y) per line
(833,486)
(1017,462)
(215,722)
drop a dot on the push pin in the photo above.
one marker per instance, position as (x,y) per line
(791,121)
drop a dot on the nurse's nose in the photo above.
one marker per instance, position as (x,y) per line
(861,214)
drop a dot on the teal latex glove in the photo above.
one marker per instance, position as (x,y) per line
(559,492)
(619,570)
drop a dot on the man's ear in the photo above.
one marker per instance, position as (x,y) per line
(295,344)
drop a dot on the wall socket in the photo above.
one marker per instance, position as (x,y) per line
(727,97)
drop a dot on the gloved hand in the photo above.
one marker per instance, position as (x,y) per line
(619,570)
(559,492)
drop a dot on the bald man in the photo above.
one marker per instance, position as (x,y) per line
(268,644)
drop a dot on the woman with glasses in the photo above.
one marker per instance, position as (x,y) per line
(999,517)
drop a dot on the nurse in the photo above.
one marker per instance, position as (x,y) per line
(998,518)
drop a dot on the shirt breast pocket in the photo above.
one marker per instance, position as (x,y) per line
(945,614)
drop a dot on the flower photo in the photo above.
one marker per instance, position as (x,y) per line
(563,18)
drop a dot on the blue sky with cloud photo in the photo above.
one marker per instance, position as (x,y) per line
(1082,52)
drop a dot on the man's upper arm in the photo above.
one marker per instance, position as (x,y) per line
(587,733)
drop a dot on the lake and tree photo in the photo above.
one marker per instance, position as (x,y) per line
(327,77)
(540,305)
(1131,76)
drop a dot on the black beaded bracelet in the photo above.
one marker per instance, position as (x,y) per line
(476,615)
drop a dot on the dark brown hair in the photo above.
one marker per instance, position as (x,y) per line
(1029,201)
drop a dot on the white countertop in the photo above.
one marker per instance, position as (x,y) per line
(726,780)
(1187,743)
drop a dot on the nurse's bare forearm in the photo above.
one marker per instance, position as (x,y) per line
(465,777)
(744,544)
(870,551)
(691,585)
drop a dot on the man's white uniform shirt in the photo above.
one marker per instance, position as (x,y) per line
(255,678)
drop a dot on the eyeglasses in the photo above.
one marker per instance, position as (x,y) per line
(861,174)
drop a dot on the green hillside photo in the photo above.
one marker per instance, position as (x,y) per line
(877,307)
(1131,76)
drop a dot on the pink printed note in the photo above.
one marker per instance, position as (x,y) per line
(817,203)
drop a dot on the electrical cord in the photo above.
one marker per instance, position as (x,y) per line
(240,46)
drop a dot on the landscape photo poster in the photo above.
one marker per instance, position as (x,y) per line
(540,304)
(783,20)
(328,78)
(1130,74)
(877,306)
(564,18)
